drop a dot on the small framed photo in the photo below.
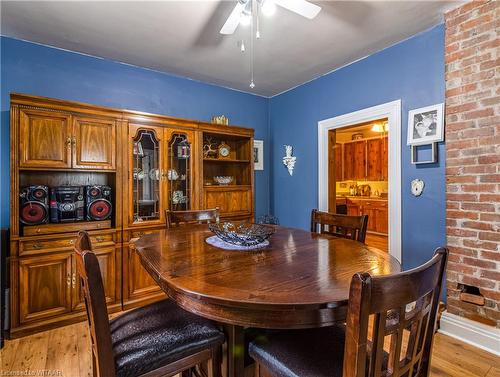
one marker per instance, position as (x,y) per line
(258,154)
(426,125)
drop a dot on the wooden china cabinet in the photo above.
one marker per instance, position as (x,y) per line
(150,162)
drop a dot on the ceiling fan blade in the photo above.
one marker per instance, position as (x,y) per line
(302,7)
(233,20)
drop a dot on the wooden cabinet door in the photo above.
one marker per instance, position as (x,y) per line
(338,162)
(94,143)
(106,258)
(374,159)
(44,287)
(384,159)
(138,285)
(146,198)
(348,151)
(231,201)
(359,159)
(352,210)
(44,139)
(382,222)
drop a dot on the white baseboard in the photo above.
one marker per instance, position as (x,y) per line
(471,332)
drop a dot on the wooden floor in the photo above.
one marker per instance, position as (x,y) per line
(378,241)
(66,352)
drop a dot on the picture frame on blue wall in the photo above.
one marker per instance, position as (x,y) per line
(426,125)
(258,154)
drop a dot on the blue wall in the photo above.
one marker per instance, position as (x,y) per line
(412,71)
(39,70)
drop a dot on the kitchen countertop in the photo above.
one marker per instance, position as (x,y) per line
(361,197)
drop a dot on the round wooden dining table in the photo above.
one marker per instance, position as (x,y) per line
(300,280)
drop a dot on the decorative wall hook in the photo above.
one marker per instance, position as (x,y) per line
(289,160)
(417,187)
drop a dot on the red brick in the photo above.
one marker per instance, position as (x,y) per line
(461,232)
(459,126)
(483,207)
(461,161)
(462,215)
(477,114)
(461,179)
(479,188)
(481,245)
(489,236)
(491,255)
(461,144)
(462,197)
(490,101)
(491,294)
(463,251)
(461,108)
(494,178)
(493,159)
(477,225)
(481,283)
(494,198)
(478,169)
(493,217)
(475,22)
(490,274)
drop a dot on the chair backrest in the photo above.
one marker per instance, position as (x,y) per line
(187,217)
(399,310)
(95,303)
(352,227)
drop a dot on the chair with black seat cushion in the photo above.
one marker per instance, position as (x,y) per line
(389,331)
(159,339)
(192,217)
(351,227)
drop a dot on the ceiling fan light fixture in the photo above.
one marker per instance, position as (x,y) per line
(268,8)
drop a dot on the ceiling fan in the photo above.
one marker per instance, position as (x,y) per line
(243,11)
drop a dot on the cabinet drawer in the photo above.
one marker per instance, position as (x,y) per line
(140,233)
(60,244)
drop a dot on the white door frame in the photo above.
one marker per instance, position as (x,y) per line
(392,111)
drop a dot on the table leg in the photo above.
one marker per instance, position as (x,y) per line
(235,338)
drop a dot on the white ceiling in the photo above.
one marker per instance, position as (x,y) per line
(182,37)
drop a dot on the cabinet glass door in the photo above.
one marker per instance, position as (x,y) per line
(179,172)
(146,176)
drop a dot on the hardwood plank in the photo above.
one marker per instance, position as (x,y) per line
(493,372)
(68,349)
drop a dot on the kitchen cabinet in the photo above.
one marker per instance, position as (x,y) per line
(376,210)
(365,160)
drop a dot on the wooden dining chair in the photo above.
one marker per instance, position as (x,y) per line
(159,339)
(192,217)
(389,331)
(351,227)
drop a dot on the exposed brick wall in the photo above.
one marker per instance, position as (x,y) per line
(473,157)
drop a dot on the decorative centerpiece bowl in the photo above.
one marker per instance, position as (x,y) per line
(223,179)
(242,234)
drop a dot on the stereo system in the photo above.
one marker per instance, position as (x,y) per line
(34,205)
(64,204)
(98,202)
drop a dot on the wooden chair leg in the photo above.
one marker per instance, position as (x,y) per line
(94,366)
(187,373)
(214,364)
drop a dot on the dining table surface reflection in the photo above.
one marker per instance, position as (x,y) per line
(300,280)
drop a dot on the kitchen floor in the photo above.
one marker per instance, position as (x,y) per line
(379,241)
(65,352)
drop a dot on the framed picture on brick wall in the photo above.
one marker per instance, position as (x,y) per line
(426,125)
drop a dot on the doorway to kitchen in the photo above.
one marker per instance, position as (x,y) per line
(359,160)
(358,176)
